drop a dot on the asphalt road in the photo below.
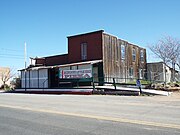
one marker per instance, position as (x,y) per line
(71,115)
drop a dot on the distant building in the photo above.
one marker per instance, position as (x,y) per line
(4,75)
(156,72)
(94,56)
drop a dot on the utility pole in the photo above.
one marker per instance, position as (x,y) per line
(25,55)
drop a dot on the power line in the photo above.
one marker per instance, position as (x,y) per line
(12,50)
(12,53)
(8,54)
(29,52)
(11,57)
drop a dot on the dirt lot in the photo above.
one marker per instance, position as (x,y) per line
(175,96)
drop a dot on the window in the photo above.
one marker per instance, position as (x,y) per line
(83,51)
(141,74)
(131,72)
(141,55)
(122,51)
(134,54)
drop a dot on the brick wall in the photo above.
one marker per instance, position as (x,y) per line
(94,46)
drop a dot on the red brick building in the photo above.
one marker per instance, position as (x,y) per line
(92,43)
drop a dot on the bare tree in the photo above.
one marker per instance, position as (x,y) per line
(178,62)
(174,45)
(6,74)
(167,49)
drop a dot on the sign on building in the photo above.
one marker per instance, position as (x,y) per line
(74,74)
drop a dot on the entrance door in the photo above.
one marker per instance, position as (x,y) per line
(54,77)
(95,74)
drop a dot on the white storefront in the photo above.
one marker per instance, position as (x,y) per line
(53,76)
(34,78)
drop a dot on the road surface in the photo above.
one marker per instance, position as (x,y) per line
(72,114)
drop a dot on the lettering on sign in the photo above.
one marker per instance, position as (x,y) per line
(70,74)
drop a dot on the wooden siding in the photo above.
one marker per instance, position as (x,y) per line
(114,65)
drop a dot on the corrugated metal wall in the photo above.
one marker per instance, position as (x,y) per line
(34,78)
(43,78)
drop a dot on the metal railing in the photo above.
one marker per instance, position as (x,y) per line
(44,83)
(94,81)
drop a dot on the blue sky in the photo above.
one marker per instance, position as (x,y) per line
(45,24)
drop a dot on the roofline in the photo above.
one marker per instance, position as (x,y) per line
(49,56)
(86,33)
(37,58)
(130,43)
(159,63)
(55,55)
(155,62)
(81,63)
(135,45)
(63,65)
(31,68)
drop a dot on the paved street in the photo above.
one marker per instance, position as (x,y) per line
(73,114)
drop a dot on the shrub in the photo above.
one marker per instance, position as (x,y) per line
(4,87)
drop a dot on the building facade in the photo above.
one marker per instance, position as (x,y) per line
(122,60)
(159,72)
(4,75)
(95,56)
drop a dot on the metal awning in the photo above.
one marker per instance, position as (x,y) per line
(81,63)
(64,65)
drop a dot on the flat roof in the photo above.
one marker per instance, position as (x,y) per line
(85,33)
(81,63)
(155,62)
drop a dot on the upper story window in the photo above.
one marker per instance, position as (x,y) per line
(131,72)
(141,74)
(141,55)
(122,51)
(133,54)
(83,51)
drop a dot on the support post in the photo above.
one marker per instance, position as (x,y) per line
(25,57)
(25,78)
(93,83)
(114,83)
(77,83)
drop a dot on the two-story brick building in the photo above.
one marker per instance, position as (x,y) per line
(94,56)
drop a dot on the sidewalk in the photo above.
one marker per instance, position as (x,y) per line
(1,91)
(149,91)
